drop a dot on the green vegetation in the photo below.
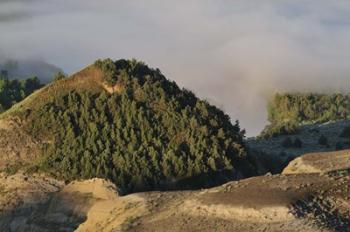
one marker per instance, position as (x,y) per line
(275,129)
(339,146)
(110,70)
(289,143)
(13,91)
(297,143)
(323,140)
(287,111)
(59,76)
(309,107)
(151,133)
(345,132)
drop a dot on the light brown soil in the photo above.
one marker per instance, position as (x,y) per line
(293,202)
(319,162)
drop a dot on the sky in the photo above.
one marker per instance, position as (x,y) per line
(234,53)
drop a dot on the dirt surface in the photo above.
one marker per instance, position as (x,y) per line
(16,146)
(319,162)
(284,202)
(267,203)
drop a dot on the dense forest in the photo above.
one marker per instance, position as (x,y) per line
(148,133)
(13,91)
(287,111)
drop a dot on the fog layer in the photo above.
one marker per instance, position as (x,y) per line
(234,53)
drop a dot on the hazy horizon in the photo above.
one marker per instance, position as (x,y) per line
(233,53)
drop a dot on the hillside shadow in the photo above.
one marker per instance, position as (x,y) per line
(274,154)
(243,169)
(322,214)
(57,213)
(205,180)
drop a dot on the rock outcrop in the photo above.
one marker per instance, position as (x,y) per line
(319,162)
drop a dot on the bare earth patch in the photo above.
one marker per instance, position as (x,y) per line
(319,162)
(286,202)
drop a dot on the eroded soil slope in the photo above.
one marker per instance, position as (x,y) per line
(318,201)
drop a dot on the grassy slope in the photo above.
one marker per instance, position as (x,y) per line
(89,79)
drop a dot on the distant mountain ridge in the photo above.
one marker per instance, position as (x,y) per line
(22,69)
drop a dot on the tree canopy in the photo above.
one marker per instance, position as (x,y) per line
(13,91)
(151,133)
(287,111)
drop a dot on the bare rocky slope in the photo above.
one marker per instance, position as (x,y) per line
(301,201)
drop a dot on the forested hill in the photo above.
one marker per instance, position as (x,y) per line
(309,107)
(287,111)
(126,122)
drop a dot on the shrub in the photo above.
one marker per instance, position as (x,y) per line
(59,76)
(345,132)
(274,130)
(297,143)
(339,146)
(287,143)
(323,140)
(283,154)
(109,70)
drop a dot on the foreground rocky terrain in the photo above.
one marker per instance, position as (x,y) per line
(125,122)
(308,196)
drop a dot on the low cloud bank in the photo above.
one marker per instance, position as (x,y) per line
(235,53)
